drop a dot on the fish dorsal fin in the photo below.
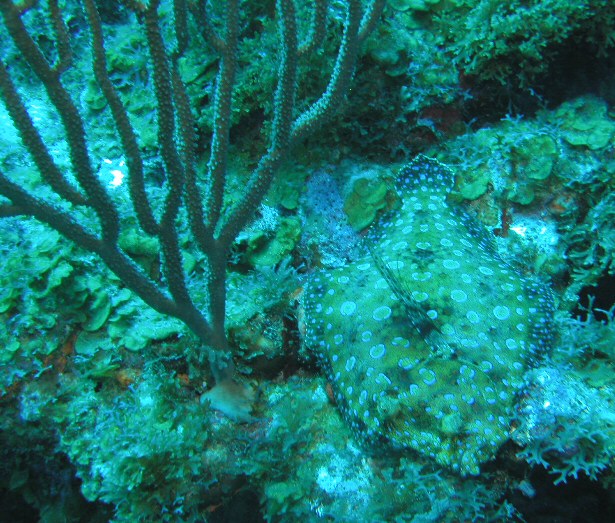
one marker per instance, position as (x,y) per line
(425,174)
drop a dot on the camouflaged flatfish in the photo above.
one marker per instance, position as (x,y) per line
(426,338)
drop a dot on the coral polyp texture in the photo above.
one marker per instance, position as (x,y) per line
(427,336)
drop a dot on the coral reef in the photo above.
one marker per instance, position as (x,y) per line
(451,322)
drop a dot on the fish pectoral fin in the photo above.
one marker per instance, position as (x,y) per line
(415,312)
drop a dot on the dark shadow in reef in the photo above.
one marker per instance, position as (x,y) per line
(600,296)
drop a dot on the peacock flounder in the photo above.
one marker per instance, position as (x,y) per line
(426,338)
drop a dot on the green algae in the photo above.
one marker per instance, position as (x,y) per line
(367,196)
(586,122)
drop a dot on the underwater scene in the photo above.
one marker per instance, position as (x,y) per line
(307,261)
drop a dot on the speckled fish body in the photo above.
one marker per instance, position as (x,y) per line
(426,338)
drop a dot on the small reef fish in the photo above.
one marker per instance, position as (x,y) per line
(426,338)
